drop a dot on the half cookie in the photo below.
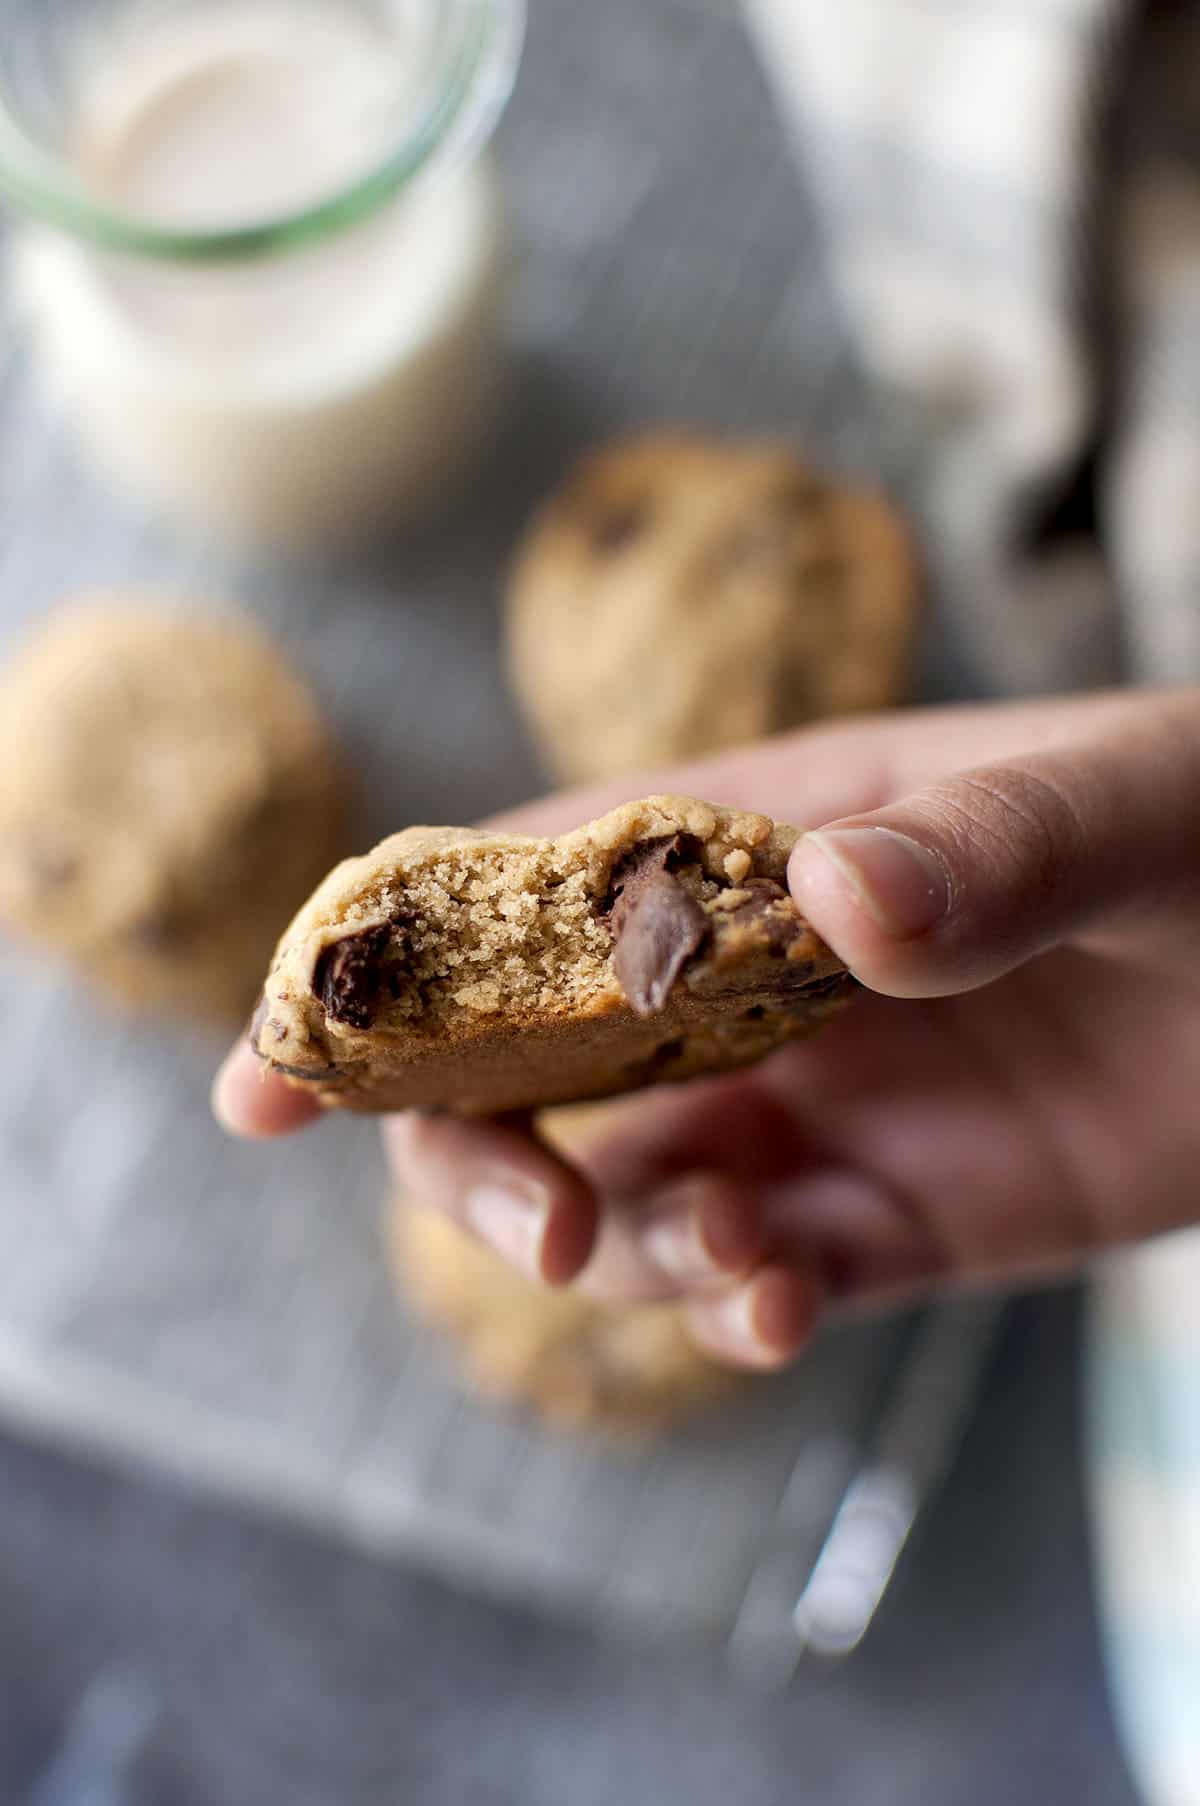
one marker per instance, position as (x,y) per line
(462,970)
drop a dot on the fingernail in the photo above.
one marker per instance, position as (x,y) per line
(763,1322)
(731,1319)
(783,1308)
(676,1247)
(706,1233)
(511,1222)
(899,883)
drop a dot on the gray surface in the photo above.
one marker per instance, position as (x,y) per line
(287,1670)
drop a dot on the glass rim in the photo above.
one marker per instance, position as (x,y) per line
(462,101)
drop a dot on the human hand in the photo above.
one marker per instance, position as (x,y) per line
(1018,1092)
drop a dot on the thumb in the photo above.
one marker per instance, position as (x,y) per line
(962,881)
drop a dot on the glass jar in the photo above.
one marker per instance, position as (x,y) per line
(261,261)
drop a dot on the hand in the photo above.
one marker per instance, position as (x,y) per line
(1020,889)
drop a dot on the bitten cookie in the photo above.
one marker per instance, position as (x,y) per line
(681,594)
(578,1363)
(168,793)
(456,969)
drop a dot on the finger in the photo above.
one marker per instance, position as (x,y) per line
(764,1323)
(970,877)
(497,1180)
(254,1104)
(693,1235)
(681,1172)
(824,772)
(702,1232)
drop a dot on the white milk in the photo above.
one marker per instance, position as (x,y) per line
(305,395)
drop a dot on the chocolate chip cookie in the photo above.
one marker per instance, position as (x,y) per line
(630,1371)
(478,972)
(682,594)
(168,793)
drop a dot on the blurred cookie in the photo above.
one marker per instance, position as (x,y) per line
(481,972)
(681,594)
(168,793)
(577,1363)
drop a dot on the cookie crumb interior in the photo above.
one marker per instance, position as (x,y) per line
(472,936)
(490,931)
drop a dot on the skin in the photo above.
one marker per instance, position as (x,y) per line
(1019,889)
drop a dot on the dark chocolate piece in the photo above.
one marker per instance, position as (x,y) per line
(657,926)
(668,852)
(350,974)
(769,907)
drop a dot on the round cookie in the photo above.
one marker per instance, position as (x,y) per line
(628,1370)
(168,793)
(681,594)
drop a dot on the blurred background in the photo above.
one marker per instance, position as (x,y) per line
(257,1541)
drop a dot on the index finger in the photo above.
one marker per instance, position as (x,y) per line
(255,1104)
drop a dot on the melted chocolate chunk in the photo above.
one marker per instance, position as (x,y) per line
(350,974)
(656,925)
(781,926)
